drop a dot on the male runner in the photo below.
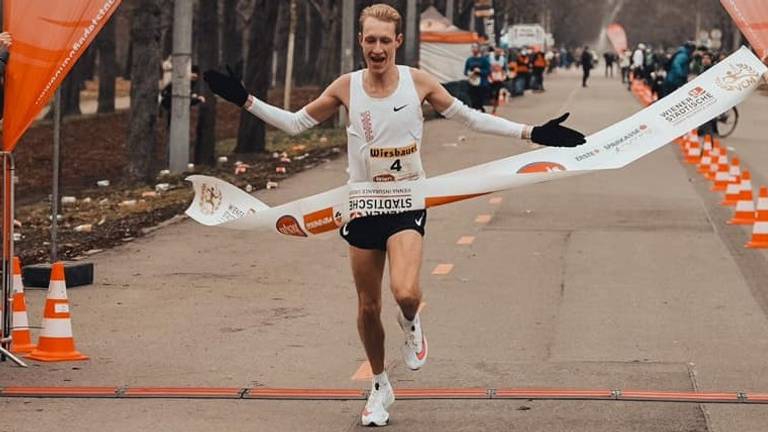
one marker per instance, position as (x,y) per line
(383,103)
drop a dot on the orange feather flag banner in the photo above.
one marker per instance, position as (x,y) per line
(48,39)
(751,16)
(618,37)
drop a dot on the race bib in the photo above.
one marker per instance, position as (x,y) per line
(394,163)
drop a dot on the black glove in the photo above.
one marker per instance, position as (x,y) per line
(227,86)
(553,135)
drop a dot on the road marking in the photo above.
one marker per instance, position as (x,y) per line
(483,218)
(496,200)
(465,240)
(442,269)
(364,372)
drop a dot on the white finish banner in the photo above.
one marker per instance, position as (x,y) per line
(218,203)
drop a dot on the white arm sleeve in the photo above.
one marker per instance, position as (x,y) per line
(485,123)
(291,123)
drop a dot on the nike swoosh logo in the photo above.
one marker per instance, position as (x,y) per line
(400,107)
(418,221)
(344,230)
(423,352)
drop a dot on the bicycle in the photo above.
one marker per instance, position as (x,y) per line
(726,122)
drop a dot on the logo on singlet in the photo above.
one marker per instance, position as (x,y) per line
(393,152)
(400,107)
(366,120)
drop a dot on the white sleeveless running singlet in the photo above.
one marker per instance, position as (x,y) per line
(384,134)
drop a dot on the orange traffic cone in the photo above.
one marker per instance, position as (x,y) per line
(724,175)
(706,158)
(745,206)
(693,153)
(56,342)
(733,189)
(21,339)
(760,230)
(718,161)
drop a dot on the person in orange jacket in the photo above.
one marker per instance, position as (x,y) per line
(523,71)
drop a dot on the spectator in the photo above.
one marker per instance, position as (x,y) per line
(553,60)
(497,76)
(710,127)
(5,43)
(636,68)
(678,69)
(539,64)
(477,68)
(586,65)
(609,59)
(523,69)
(166,95)
(625,60)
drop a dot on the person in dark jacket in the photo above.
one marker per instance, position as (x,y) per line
(586,65)
(477,68)
(166,95)
(679,68)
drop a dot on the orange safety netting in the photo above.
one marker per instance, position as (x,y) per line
(48,39)
(751,16)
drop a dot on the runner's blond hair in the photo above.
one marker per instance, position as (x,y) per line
(382,12)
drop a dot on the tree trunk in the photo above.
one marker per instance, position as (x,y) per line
(87,67)
(251,135)
(166,29)
(145,69)
(281,41)
(105,43)
(70,89)
(328,56)
(231,37)
(208,58)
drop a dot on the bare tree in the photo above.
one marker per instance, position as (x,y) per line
(105,44)
(145,69)
(281,41)
(231,36)
(251,135)
(70,88)
(208,58)
(327,66)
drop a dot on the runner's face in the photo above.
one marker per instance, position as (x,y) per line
(379,43)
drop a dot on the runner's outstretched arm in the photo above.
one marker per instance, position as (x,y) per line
(229,87)
(548,134)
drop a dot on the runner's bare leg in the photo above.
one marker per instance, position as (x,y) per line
(404,250)
(367,270)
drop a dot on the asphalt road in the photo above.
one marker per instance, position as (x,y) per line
(625,279)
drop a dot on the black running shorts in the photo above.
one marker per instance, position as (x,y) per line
(372,232)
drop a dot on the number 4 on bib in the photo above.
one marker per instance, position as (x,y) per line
(396,166)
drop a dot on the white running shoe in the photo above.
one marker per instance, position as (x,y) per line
(415,347)
(381,397)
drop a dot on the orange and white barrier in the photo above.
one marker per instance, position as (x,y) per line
(56,342)
(760,229)
(21,339)
(745,206)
